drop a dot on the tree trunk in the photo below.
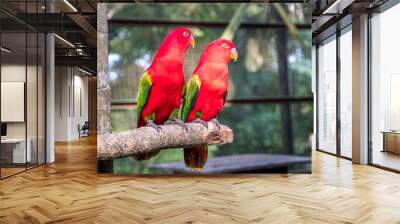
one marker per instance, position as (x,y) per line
(103,80)
(103,83)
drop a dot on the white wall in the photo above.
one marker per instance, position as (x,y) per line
(62,81)
(13,100)
(80,110)
(71,102)
(12,73)
(33,126)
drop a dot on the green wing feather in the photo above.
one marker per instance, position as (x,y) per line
(145,85)
(191,92)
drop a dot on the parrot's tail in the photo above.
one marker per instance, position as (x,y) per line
(196,157)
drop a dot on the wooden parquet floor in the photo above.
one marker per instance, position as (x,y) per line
(71,191)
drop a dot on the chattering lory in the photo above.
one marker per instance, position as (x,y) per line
(161,86)
(206,93)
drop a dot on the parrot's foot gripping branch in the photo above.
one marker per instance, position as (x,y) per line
(200,121)
(216,137)
(180,123)
(217,124)
(151,124)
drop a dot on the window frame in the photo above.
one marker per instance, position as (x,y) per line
(333,37)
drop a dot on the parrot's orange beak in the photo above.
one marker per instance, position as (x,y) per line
(234,54)
(192,42)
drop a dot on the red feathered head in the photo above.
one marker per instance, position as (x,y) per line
(179,38)
(183,36)
(220,49)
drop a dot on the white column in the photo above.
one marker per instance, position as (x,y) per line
(50,100)
(360,90)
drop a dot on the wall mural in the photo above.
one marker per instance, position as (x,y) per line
(204,88)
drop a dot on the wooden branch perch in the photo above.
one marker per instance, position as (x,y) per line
(146,139)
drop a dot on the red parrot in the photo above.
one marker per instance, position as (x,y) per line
(161,86)
(206,92)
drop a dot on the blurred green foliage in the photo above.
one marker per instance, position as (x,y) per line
(257,127)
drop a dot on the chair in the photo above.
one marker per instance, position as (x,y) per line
(84,130)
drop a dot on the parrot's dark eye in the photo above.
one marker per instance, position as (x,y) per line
(224,45)
(185,33)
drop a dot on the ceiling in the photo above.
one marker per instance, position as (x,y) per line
(330,15)
(73,22)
